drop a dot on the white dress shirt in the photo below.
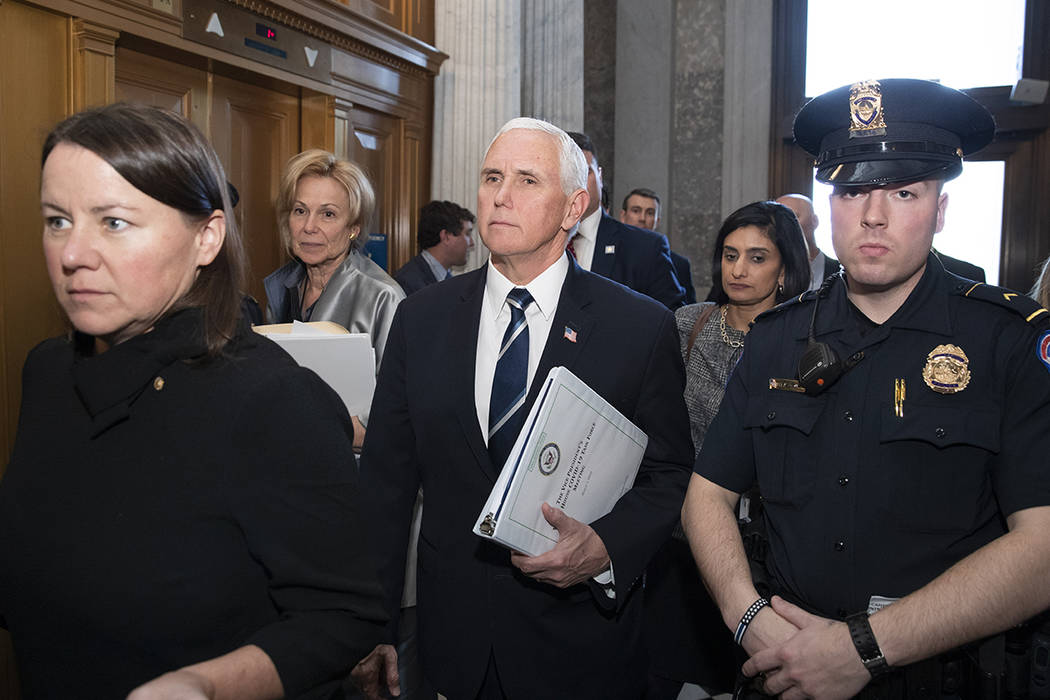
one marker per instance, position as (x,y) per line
(816,271)
(495,317)
(586,238)
(440,271)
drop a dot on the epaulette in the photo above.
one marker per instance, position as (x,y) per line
(787,304)
(1025,307)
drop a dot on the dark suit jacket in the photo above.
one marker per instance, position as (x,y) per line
(414,275)
(547,642)
(684,273)
(637,258)
(961,267)
(831,266)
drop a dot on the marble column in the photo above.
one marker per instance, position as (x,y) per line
(600,40)
(477,90)
(644,54)
(552,62)
(748,95)
(697,123)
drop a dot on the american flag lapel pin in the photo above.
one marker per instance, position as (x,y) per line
(570,334)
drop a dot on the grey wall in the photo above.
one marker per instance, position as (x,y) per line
(644,69)
(677,96)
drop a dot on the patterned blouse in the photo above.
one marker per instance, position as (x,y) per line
(707,367)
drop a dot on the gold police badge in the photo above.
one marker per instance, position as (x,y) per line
(947,369)
(865,109)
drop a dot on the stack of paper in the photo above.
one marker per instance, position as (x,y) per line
(575,452)
(346,361)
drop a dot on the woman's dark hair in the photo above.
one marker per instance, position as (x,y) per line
(168,158)
(781,226)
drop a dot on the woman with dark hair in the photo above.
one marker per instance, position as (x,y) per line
(165,532)
(759,260)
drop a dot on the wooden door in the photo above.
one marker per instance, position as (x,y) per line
(35,94)
(377,143)
(255,131)
(154,81)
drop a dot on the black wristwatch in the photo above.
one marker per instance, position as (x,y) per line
(864,640)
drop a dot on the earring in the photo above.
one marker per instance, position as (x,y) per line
(780,289)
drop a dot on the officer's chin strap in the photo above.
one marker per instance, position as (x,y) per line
(820,366)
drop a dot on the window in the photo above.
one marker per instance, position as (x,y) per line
(961,43)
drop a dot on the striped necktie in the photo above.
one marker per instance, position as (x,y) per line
(510,380)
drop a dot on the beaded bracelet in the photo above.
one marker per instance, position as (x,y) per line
(748,616)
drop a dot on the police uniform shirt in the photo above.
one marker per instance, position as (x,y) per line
(868,496)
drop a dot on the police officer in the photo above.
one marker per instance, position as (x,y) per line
(897,423)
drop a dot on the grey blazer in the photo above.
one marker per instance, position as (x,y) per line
(360,297)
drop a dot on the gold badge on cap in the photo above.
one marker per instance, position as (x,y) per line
(865,110)
(947,369)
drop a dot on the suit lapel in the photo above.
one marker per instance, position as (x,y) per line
(424,268)
(466,319)
(602,262)
(570,319)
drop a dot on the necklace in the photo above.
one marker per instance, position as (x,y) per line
(725,336)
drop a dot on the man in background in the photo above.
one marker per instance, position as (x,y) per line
(641,208)
(634,257)
(820,265)
(445,236)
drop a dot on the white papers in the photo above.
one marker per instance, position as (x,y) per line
(575,452)
(346,361)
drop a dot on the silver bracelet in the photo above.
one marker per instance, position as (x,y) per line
(748,616)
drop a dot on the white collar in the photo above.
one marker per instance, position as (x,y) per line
(545,288)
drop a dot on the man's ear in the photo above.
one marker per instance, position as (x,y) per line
(942,205)
(577,204)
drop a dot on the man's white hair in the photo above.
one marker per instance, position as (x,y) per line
(572,166)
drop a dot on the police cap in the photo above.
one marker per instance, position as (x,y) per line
(897,130)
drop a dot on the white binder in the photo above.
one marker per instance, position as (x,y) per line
(346,361)
(575,452)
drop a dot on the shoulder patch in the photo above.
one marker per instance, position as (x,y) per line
(800,299)
(1025,307)
(1042,349)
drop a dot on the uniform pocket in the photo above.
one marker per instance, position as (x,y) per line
(785,458)
(934,462)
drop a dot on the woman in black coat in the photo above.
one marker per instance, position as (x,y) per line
(180,515)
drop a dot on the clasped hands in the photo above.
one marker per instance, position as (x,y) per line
(801,655)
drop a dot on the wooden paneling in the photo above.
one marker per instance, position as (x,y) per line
(93,64)
(255,131)
(413,17)
(34,95)
(154,81)
(317,123)
(375,145)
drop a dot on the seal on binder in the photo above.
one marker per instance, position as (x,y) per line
(550,457)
